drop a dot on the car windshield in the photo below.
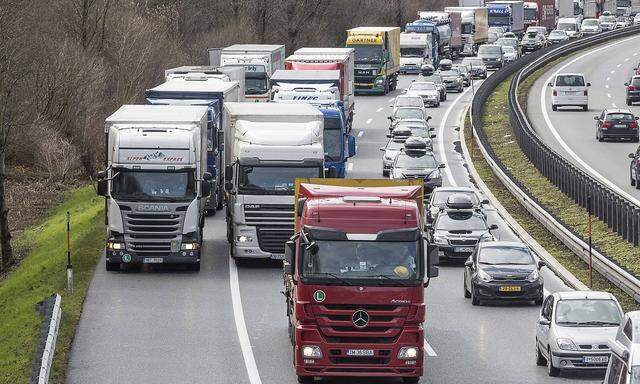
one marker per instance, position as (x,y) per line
(461,222)
(394,145)
(626,117)
(409,102)
(509,49)
(406,161)
(590,23)
(134,185)
(569,81)
(472,62)
(408,113)
(558,34)
(567,27)
(440,197)
(433,78)
(411,52)
(367,53)
(450,73)
(381,260)
(532,35)
(333,141)
(489,50)
(255,86)
(505,255)
(607,19)
(422,86)
(274,180)
(586,312)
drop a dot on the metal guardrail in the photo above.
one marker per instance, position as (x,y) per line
(619,213)
(51,310)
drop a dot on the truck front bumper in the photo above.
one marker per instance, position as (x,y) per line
(246,244)
(129,257)
(337,361)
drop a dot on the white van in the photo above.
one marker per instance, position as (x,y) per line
(569,90)
(624,364)
(570,25)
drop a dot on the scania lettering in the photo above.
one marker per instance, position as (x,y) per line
(212,93)
(354,278)
(268,146)
(259,62)
(377,58)
(154,184)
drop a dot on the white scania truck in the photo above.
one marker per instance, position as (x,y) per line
(269,145)
(415,49)
(155,184)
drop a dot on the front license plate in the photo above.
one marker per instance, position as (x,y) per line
(463,249)
(360,352)
(510,288)
(153,260)
(277,257)
(595,359)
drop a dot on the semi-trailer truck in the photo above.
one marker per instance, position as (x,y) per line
(475,27)
(207,72)
(212,93)
(414,51)
(540,13)
(453,21)
(507,14)
(439,35)
(346,67)
(269,145)
(377,58)
(320,89)
(354,279)
(565,9)
(259,62)
(154,184)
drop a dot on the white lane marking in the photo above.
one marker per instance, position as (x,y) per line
(565,146)
(360,133)
(606,86)
(429,350)
(392,99)
(614,105)
(379,109)
(619,65)
(349,166)
(241,327)
(608,95)
(443,154)
(627,59)
(369,121)
(612,72)
(608,78)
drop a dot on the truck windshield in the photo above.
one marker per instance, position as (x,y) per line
(411,52)
(255,86)
(272,180)
(333,142)
(367,53)
(499,19)
(135,185)
(378,260)
(467,28)
(530,14)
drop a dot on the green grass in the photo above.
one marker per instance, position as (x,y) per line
(497,126)
(42,273)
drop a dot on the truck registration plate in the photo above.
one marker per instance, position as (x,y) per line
(359,352)
(463,249)
(153,260)
(277,256)
(595,359)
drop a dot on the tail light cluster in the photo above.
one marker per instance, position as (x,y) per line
(633,125)
(606,125)
(586,93)
(555,93)
(631,88)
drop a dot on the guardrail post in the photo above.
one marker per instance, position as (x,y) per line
(609,209)
(635,225)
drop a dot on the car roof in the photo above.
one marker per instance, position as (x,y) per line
(617,110)
(454,189)
(409,96)
(580,295)
(570,74)
(496,244)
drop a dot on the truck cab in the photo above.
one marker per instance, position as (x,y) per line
(354,277)
(259,62)
(414,51)
(377,58)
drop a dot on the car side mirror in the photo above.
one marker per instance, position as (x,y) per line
(626,84)
(390,118)
(433,136)
(382,149)
(388,136)
(433,259)
(103,187)
(468,263)
(207,176)
(632,156)
(550,85)
(428,118)
(588,84)
(541,264)
(228,173)
(206,188)
(289,256)
(441,166)
(544,322)
(596,118)
(485,201)
(493,227)
(351,143)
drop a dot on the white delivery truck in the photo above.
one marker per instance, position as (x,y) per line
(414,51)
(268,146)
(475,27)
(259,62)
(154,184)
(207,72)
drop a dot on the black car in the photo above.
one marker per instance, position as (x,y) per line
(616,124)
(633,90)
(416,161)
(457,233)
(440,197)
(503,270)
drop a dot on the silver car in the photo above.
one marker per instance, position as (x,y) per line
(427,90)
(574,328)
(390,150)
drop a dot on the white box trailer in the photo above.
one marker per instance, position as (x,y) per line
(207,72)
(475,27)
(259,62)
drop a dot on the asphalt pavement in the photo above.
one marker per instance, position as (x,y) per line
(228,325)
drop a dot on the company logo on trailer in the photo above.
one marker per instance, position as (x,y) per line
(306,97)
(155,156)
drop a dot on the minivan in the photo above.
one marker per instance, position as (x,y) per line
(624,364)
(569,90)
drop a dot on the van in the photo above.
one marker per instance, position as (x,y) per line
(625,357)
(569,90)
(570,25)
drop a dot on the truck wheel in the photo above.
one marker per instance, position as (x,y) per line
(195,266)
(305,379)
(229,230)
(554,107)
(387,86)
(112,266)
(220,199)
(410,380)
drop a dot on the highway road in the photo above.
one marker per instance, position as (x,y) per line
(572,132)
(227,324)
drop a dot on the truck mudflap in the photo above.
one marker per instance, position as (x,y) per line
(359,359)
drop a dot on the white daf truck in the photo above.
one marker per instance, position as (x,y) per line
(269,145)
(415,49)
(155,184)
(259,62)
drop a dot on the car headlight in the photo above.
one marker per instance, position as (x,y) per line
(115,245)
(533,276)
(499,59)
(387,157)
(244,239)
(189,246)
(435,174)
(406,353)
(484,276)
(487,237)
(566,344)
(311,352)
(440,240)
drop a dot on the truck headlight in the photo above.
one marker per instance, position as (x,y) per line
(566,344)
(440,240)
(533,276)
(406,353)
(379,82)
(115,246)
(189,246)
(311,352)
(244,239)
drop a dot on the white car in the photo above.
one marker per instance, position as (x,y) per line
(407,101)
(569,90)
(557,37)
(427,90)
(590,26)
(574,329)
(570,26)
(636,19)
(622,22)
(509,54)
(624,364)
(607,22)
(541,30)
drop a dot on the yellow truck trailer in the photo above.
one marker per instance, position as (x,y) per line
(377,58)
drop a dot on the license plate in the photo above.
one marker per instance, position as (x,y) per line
(510,288)
(153,260)
(463,249)
(619,126)
(277,257)
(595,359)
(359,352)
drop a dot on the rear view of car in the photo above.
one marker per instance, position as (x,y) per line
(569,90)
(557,37)
(633,90)
(616,124)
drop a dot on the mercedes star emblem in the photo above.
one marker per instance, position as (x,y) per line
(360,318)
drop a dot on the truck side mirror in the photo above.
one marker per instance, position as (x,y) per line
(103,187)
(331,173)
(289,257)
(300,206)
(207,176)
(433,259)
(228,186)
(351,143)
(493,227)
(206,188)
(228,173)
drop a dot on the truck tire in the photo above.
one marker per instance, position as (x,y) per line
(387,86)
(410,380)
(195,266)
(220,198)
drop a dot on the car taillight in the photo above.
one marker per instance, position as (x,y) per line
(631,88)
(606,125)
(586,93)
(633,125)
(555,93)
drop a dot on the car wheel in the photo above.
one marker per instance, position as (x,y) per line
(467,294)
(629,102)
(633,182)
(585,108)
(540,360)
(385,173)
(112,266)
(551,370)
(474,298)
(554,107)
(635,139)
(410,380)
(600,138)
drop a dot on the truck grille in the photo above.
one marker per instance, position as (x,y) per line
(274,224)
(150,233)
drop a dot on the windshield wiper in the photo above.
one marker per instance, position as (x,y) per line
(334,276)
(595,322)
(393,280)
(568,322)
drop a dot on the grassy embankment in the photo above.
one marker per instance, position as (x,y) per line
(43,272)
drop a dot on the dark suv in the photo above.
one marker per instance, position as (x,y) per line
(633,90)
(616,124)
